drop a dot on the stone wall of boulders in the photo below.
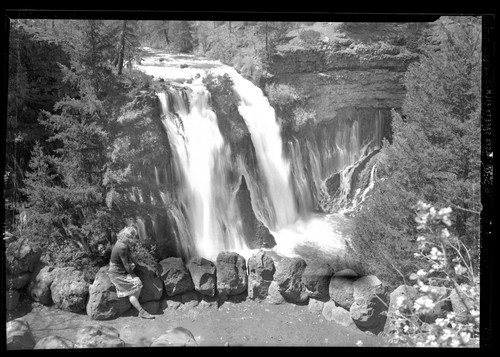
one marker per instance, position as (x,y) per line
(344,297)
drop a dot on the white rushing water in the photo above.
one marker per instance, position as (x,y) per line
(204,158)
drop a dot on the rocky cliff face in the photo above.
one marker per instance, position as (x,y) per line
(351,86)
(341,73)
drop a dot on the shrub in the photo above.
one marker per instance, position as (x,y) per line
(450,264)
(309,37)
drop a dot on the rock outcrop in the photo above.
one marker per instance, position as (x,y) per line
(53,342)
(39,285)
(98,337)
(256,234)
(232,278)
(203,274)
(69,290)
(316,279)
(341,291)
(177,336)
(288,276)
(103,303)
(369,310)
(152,284)
(175,276)
(19,336)
(261,271)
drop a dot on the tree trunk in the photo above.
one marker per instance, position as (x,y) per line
(121,53)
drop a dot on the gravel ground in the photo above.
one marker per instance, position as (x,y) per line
(245,323)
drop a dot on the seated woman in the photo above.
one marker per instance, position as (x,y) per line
(121,270)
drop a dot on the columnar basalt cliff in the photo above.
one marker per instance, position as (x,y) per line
(351,87)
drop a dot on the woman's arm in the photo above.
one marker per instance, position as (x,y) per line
(127,262)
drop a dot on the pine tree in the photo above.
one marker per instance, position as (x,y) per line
(435,151)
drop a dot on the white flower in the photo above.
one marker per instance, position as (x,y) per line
(420,238)
(460,269)
(435,253)
(444,233)
(400,300)
(421,273)
(424,288)
(423,301)
(454,343)
(359,343)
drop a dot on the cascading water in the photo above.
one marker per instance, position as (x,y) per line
(204,160)
(205,215)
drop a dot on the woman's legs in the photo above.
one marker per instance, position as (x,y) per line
(134,300)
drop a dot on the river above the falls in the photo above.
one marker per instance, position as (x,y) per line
(314,237)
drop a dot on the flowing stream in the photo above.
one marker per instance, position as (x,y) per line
(203,163)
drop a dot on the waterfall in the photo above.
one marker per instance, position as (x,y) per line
(266,137)
(285,189)
(204,160)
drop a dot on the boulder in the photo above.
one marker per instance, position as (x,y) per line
(11,299)
(103,303)
(19,336)
(369,310)
(232,278)
(288,276)
(369,315)
(460,304)
(152,285)
(22,256)
(190,299)
(177,336)
(261,271)
(203,275)
(367,286)
(53,342)
(69,290)
(406,295)
(341,291)
(274,296)
(315,306)
(335,313)
(39,285)
(17,281)
(175,276)
(98,337)
(316,279)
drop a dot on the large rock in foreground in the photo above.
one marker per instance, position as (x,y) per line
(69,290)
(53,342)
(335,313)
(232,278)
(152,285)
(40,283)
(177,336)
(341,291)
(261,271)
(316,278)
(98,337)
(19,336)
(103,302)
(202,273)
(175,276)
(288,276)
(369,310)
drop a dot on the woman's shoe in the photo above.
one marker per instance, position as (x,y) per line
(145,315)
